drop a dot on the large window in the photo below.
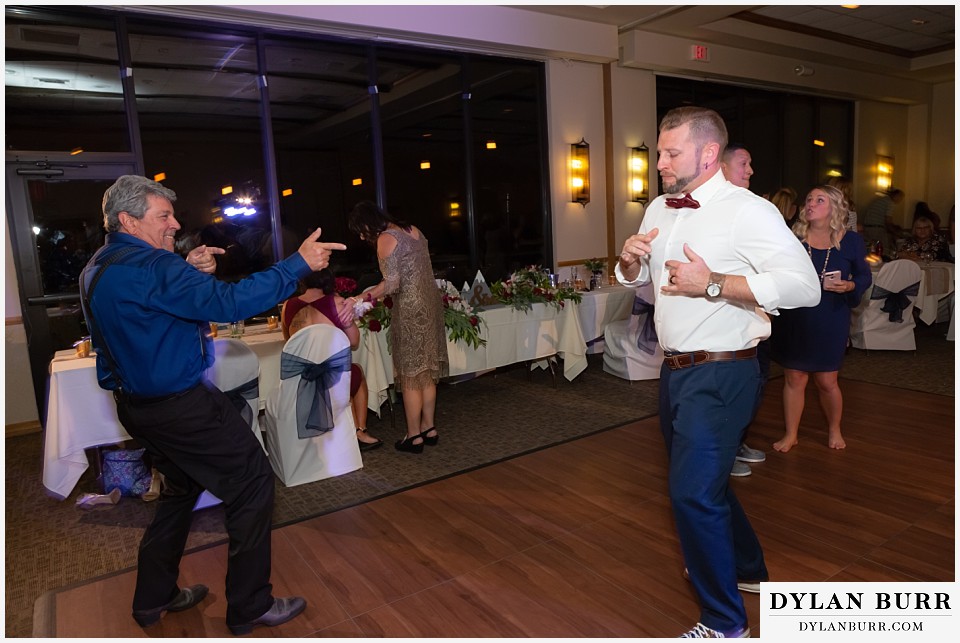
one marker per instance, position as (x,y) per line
(339,121)
(796,140)
(63,89)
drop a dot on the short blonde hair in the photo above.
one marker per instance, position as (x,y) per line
(839,210)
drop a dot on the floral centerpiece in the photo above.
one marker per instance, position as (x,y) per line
(378,317)
(460,320)
(531,285)
(595,265)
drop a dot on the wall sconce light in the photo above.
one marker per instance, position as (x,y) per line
(580,173)
(884,172)
(638,172)
(424,165)
(491,144)
(357,181)
(454,210)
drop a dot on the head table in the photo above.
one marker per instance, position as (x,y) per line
(81,415)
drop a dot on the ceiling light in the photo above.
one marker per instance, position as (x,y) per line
(850,6)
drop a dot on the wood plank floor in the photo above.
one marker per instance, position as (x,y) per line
(578,540)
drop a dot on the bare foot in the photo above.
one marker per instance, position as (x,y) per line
(835,441)
(785,444)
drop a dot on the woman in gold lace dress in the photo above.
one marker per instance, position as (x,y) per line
(417,334)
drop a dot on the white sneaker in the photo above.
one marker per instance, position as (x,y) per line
(701,631)
(746,454)
(740,470)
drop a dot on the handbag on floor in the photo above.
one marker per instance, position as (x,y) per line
(125,469)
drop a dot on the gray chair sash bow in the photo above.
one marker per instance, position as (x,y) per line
(241,395)
(647,332)
(896,302)
(314,409)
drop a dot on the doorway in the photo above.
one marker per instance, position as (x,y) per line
(56,224)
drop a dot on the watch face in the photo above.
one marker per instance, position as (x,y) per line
(713,290)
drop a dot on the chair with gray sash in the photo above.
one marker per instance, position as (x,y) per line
(309,425)
(631,350)
(236,372)
(884,319)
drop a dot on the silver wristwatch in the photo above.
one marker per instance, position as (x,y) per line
(715,285)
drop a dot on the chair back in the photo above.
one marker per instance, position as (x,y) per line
(297,460)
(236,372)
(872,327)
(631,350)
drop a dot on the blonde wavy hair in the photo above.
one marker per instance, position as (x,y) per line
(839,210)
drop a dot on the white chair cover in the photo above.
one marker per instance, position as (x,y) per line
(631,350)
(871,327)
(236,372)
(295,460)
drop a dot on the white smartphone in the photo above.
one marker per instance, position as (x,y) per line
(832,277)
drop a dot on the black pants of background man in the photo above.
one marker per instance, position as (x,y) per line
(199,441)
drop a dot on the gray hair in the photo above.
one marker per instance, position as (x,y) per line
(129,194)
(706,126)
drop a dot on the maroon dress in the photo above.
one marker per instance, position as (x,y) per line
(326,305)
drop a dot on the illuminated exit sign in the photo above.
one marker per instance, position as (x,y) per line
(699,52)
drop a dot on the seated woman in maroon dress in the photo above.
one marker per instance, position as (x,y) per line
(319,304)
(814,340)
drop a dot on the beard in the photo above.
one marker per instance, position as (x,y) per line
(681,182)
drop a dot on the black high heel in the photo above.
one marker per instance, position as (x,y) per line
(406,444)
(430,441)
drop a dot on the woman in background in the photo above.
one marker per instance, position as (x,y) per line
(925,244)
(417,333)
(786,201)
(814,340)
(319,304)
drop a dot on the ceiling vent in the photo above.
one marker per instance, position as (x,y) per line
(28,34)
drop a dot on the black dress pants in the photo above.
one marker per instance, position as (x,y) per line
(199,441)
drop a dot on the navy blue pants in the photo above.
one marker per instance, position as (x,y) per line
(704,412)
(199,441)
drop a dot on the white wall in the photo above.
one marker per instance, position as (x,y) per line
(882,129)
(575,111)
(942,177)
(634,97)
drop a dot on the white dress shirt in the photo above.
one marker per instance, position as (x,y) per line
(737,233)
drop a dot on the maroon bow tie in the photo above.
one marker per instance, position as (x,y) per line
(686,201)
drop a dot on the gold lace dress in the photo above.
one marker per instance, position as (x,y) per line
(418,340)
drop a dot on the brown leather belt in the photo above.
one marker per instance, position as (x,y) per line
(676,361)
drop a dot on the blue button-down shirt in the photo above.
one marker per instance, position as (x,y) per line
(153,311)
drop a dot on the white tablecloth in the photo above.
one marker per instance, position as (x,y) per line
(80,415)
(937,283)
(602,306)
(512,336)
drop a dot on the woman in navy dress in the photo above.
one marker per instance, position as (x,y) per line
(814,340)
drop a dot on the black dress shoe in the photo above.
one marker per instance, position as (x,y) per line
(187,598)
(283,610)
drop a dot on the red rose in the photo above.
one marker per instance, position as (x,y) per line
(388,302)
(549,296)
(374,325)
(474,321)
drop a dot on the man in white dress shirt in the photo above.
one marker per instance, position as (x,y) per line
(721,261)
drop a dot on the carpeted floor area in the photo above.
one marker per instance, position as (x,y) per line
(50,544)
